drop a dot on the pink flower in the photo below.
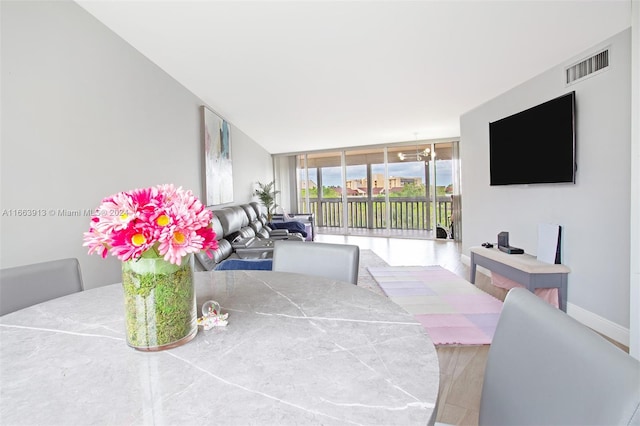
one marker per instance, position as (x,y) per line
(210,242)
(166,219)
(114,213)
(130,243)
(97,243)
(146,202)
(180,242)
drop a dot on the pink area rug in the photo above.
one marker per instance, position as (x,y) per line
(451,309)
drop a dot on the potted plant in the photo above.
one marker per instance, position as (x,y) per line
(267,196)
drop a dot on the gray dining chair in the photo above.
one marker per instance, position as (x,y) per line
(545,368)
(27,285)
(337,261)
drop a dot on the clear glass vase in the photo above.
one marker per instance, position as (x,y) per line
(160,303)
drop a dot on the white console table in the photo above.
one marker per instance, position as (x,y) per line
(522,268)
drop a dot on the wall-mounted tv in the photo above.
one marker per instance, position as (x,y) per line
(537,145)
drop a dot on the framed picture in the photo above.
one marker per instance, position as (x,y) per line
(217,158)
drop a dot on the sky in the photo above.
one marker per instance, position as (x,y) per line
(332,175)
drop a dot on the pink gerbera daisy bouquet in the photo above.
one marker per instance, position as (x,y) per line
(157,222)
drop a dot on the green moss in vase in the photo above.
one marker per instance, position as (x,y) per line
(159,302)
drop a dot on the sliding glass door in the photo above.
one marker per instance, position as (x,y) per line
(320,188)
(398,190)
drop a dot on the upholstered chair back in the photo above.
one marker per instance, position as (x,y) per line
(337,261)
(546,368)
(24,286)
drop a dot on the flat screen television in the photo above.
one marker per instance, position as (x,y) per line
(537,145)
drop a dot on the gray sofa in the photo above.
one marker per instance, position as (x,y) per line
(236,226)
(224,250)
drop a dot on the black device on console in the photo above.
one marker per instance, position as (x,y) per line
(487,245)
(503,244)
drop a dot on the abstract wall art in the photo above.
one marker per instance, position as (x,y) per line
(217,157)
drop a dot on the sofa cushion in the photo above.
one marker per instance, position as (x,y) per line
(245,264)
(217,227)
(293,226)
(232,219)
(224,251)
(255,223)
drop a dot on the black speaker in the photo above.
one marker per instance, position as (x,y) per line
(503,239)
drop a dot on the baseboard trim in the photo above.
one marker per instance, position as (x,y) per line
(600,324)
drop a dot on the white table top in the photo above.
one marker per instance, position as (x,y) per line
(297,350)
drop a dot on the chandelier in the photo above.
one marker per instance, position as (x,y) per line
(418,156)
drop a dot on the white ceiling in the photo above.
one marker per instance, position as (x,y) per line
(307,75)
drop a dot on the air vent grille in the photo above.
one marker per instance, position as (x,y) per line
(587,67)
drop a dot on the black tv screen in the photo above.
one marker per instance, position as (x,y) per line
(537,145)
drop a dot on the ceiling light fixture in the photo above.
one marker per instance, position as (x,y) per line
(418,156)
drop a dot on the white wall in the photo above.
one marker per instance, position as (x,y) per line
(634,345)
(594,213)
(251,164)
(84,115)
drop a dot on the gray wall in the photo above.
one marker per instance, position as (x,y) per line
(594,213)
(84,115)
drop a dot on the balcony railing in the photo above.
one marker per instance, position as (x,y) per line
(405,213)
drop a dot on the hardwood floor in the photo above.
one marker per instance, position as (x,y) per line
(461,373)
(461,367)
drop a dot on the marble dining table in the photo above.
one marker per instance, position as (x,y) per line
(297,350)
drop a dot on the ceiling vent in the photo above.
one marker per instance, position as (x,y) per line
(587,67)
